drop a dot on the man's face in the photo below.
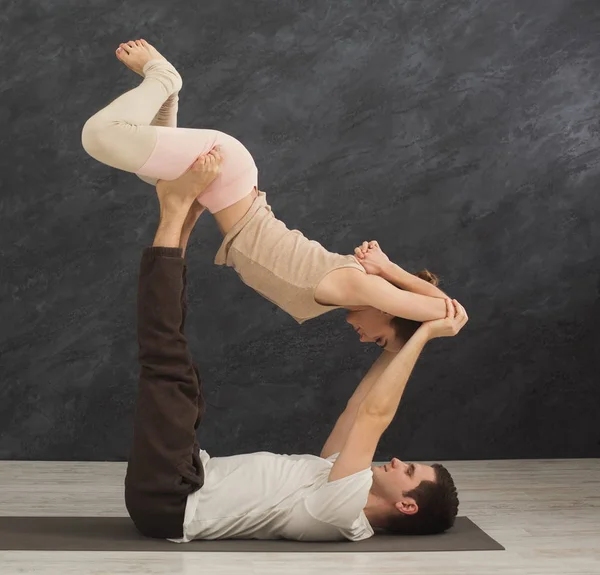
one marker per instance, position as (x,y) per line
(392,480)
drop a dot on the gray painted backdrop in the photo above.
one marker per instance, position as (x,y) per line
(463,135)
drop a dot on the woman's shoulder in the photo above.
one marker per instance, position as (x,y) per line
(341,286)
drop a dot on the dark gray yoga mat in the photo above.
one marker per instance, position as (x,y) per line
(119,534)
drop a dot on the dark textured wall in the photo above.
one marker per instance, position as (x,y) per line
(463,135)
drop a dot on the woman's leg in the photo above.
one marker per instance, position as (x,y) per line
(167,115)
(121,135)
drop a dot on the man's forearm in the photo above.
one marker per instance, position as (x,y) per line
(338,436)
(384,397)
(364,387)
(375,371)
(410,282)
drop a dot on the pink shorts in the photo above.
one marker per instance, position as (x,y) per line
(177,149)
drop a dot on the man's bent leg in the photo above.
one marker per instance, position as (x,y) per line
(164,467)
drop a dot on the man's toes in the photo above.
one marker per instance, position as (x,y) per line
(144,43)
(125,48)
(131,44)
(198,164)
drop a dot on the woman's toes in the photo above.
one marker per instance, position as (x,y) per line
(131,44)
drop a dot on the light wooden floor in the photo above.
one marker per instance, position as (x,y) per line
(546,513)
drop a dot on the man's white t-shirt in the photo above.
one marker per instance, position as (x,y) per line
(269,496)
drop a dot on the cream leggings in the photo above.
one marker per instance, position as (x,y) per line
(138,133)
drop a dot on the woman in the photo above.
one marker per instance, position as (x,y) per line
(137,133)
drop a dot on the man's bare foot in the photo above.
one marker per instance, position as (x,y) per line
(179,209)
(181,193)
(136,54)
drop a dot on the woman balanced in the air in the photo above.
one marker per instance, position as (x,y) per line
(138,133)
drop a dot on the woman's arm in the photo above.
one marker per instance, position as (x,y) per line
(376,262)
(409,282)
(379,293)
(349,287)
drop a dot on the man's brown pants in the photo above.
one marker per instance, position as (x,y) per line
(164,466)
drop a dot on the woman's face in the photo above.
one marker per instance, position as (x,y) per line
(374,326)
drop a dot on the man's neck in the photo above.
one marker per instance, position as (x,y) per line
(376,510)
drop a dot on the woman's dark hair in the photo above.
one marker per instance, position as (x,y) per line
(438,507)
(405,328)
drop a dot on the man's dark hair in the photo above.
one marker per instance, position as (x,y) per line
(438,506)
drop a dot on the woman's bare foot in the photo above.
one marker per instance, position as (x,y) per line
(136,54)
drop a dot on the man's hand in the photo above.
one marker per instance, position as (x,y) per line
(456,318)
(372,258)
(195,180)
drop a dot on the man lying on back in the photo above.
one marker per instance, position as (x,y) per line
(174,490)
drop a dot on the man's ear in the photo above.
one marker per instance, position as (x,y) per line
(408,506)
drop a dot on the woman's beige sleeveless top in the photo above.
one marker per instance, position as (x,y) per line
(280,264)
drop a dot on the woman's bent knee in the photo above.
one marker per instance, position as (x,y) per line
(92,138)
(117,144)
(100,139)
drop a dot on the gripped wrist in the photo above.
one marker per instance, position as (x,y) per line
(424,331)
(390,271)
(387,270)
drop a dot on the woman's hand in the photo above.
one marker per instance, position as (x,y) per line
(372,258)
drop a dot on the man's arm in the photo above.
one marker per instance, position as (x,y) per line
(338,436)
(378,408)
(376,411)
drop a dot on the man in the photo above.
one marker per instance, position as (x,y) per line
(175,491)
